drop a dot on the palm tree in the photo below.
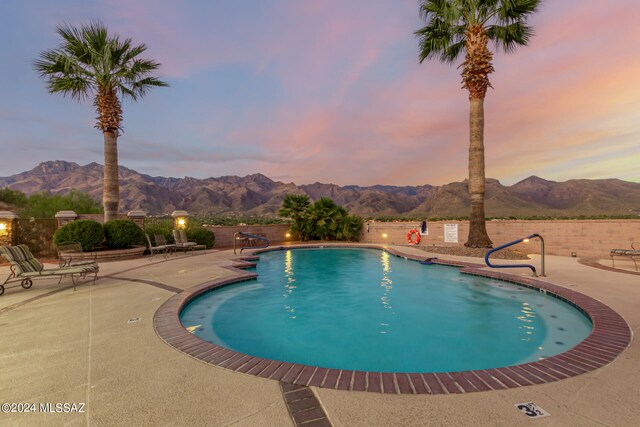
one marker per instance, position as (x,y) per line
(294,206)
(325,216)
(456,26)
(349,228)
(90,63)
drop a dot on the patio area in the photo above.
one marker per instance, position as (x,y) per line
(97,346)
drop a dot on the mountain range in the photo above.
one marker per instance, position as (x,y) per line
(260,196)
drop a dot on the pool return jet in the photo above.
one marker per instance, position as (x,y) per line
(515,242)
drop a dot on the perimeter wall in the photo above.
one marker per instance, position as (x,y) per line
(276,233)
(587,238)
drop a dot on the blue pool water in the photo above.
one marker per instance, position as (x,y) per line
(364,309)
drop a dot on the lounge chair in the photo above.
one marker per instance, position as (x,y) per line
(159,248)
(180,237)
(633,254)
(25,267)
(72,255)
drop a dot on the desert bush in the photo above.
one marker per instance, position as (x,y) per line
(123,233)
(86,232)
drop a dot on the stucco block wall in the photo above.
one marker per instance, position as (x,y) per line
(276,233)
(587,238)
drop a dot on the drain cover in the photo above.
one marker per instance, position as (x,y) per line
(133,320)
(532,410)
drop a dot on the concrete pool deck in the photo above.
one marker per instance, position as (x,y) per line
(98,346)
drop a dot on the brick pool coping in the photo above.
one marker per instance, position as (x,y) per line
(610,336)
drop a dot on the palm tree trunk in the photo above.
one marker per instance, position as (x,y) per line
(478,237)
(111,191)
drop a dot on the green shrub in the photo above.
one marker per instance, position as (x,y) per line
(86,232)
(201,235)
(123,233)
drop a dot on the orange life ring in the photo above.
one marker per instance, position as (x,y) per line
(409,237)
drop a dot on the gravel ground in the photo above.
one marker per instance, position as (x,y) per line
(474,252)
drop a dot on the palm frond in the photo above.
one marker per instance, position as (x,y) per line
(509,37)
(441,39)
(443,36)
(517,9)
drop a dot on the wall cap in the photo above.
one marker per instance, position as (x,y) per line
(176,214)
(8,215)
(137,214)
(66,215)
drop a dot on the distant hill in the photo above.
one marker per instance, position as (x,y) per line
(258,195)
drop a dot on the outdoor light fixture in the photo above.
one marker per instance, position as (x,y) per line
(384,235)
(287,235)
(180,219)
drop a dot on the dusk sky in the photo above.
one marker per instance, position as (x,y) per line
(332,91)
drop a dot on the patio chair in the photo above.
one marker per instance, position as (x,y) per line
(25,267)
(180,238)
(633,254)
(158,249)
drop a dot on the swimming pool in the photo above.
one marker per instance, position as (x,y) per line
(365,309)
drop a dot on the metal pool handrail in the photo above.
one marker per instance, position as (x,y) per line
(515,242)
(251,236)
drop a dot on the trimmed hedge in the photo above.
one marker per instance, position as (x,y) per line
(123,233)
(166,231)
(88,233)
(202,236)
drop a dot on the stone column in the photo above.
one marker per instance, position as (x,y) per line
(65,217)
(137,217)
(180,219)
(6,227)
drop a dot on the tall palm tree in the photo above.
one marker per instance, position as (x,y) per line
(456,26)
(90,63)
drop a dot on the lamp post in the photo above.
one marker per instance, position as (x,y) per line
(180,219)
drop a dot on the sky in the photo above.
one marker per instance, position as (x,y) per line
(331,91)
